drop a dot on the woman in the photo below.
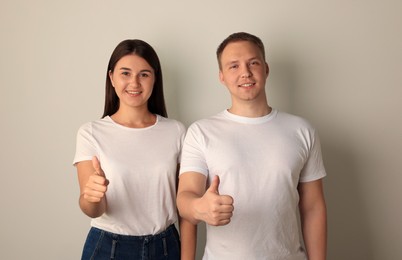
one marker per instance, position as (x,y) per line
(127,163)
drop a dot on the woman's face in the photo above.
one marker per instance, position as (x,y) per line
(133,80)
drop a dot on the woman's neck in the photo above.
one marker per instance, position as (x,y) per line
(134,118)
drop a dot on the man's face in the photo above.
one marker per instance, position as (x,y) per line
(244,71)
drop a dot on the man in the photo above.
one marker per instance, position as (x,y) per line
(247,170)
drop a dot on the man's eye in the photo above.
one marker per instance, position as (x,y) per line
(233,67)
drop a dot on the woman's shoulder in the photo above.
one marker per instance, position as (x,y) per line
(169,122)
(102,122)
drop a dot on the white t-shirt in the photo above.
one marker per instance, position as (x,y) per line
(260,162)
(141,166)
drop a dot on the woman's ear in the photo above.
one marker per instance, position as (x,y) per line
(111,77)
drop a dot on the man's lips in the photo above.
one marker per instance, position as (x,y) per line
(247,85)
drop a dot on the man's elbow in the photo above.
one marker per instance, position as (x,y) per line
(184,207)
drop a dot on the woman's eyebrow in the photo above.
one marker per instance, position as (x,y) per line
(144,70)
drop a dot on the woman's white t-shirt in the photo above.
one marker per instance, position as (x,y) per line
(141,166)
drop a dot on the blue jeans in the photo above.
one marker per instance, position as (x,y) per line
(102,245)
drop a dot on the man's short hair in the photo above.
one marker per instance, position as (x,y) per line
(237,37)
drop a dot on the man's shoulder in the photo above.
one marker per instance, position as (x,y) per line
(208,121)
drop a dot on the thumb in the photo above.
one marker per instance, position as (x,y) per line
(97,166)
(214,187)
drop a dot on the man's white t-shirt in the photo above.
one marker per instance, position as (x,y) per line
(260,162)
(141,166)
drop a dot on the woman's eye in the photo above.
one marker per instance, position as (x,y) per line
(144,75)
(125,73)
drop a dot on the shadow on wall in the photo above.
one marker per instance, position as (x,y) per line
(348,228)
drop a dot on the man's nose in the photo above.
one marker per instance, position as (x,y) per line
(246,72)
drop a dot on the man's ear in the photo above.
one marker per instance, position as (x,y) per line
(267,68)
(221,78)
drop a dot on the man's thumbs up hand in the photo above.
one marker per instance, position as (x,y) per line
(214,187)
(215,209)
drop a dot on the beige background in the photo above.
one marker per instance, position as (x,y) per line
(336,63)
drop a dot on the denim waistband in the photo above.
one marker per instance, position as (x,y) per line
(169,231)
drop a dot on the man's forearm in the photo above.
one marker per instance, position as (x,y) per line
(315,234)
(186,207)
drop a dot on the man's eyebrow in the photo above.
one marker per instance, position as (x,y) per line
(237,61)
(231,62)
(255,58)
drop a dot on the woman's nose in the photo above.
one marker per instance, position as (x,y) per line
(135,81)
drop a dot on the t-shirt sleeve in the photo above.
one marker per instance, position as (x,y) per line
(85,144)
(193,153)
(314,167)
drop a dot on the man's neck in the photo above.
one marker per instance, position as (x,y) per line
(250,110)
